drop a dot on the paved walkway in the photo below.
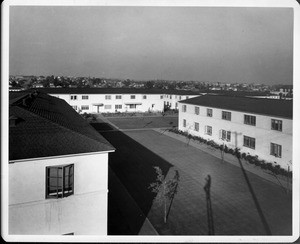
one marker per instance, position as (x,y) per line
(242,203)
(282,181)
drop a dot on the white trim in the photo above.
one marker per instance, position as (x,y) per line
(60,156)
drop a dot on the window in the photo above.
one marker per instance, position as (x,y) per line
(208,130)
(161,96)
(85,107)
(107,97)
(276,124)
(59,181)
(209,112)
(132,96)
(118,97)
(275,150)
(226,115)
(132,106)
(249,142)
(197,110)
(183,108)
(170,96)
(184,123)
(249,120)
(73,97)
(74,107)
(176,105)
(107,106)
(225,135)
(85,97)
(179,97)
(196,126)
(118,106)
(144,97)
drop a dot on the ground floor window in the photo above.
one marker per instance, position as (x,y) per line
(132,106)
(118,106)
(85,107)
(107,106)
(184,123)
(225,135)
(276,150)
(208,130)
(196,126)
(74,107)
(249,142)
(59,181)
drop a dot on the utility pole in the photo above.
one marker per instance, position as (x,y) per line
(210,220)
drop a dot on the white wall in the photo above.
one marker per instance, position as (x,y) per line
(146,104)
(85,212)
(261,132)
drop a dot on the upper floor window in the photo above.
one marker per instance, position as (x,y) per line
(208,130)
(73,97)
(179,97)
(209,112)
(59,181)
(85,97)
(118,97)
(85,107)
(249,142)
(132,96)
(225,135)
(183,108)
(249,120)
(107,97)
(226,115)
(170,96)
(161,96)
(197,110)
(276,150)
(196,126)
(276,124)
(184,123)
(144,97)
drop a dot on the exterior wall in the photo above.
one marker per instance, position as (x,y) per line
(153,102)
(262,132)
(85,212)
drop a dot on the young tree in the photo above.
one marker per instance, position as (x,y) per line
(165,189)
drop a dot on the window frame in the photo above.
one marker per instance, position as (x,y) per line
(274,148)
(118,96)
(208,130)
(144,97)
(197,110)
(250,140)
(250,120)
(224,115)
(279,125)
(184,123)
(107,106)
(73,97)
(84,97)
(225,135)
(209,112)
(107,97)
(118,106)
(85,107)
(58,186)
(196,126)
(132,97)
(184,108)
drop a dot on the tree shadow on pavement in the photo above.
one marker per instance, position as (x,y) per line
(132,165)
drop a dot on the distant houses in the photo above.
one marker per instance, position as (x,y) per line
(58,169)
(258,126)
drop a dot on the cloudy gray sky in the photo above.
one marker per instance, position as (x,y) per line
(175,43)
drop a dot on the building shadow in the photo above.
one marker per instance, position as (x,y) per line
(257,205)
(131,172)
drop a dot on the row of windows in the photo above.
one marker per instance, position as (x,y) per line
(117,106)
(248,119)
(248,141)
(109,97)
(180,97)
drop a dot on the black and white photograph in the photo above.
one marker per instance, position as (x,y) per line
(160,121)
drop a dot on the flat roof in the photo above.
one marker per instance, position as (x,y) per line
(113,91)
(263,106)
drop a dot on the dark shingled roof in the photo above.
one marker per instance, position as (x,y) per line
(48,126)
(113,91)
(263,106)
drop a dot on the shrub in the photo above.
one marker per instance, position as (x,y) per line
(244,155)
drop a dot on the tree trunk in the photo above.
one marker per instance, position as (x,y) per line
(165,204)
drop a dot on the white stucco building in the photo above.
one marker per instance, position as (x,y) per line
(262,127)
(110,100)
(58,169)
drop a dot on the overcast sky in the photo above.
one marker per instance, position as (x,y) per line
(174,43)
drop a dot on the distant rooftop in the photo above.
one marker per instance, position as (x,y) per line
(45,126)
(114,91)
(270,107)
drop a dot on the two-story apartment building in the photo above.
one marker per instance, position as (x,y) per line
(110,100)
(58,169)
(262,127)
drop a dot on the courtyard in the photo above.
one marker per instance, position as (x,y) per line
(242,203)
